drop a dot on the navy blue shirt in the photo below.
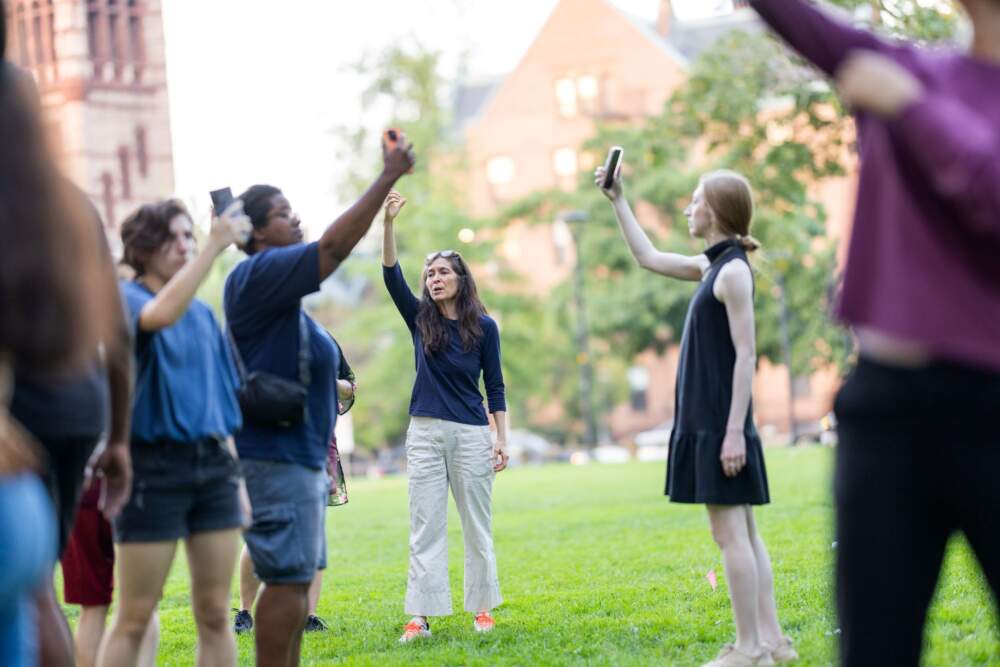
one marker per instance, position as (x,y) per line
(185,386)
(263,304)
(75,408)
(447,384)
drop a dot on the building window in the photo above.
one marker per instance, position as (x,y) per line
(22,37)
(566,165)
(114,37)
(136,46)
(638,385)
(93,32)
(500,170)
(566,97)
(123,172)
(108,196)
(141,151)
(587,92)
(36,34)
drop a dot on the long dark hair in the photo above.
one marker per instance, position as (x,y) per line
(53,312)
(433,325)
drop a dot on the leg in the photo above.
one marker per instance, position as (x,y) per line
(729,529)
(89,631)
(893,517)
(427,590)
(249,583)
(281,615)
(315,588)
(212,559)
(55,640)
(142,570)
(767,609)
(150,642)
(470,471)
(67,460)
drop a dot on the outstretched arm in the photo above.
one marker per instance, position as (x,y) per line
(344,233)
(814,33)
(669,264)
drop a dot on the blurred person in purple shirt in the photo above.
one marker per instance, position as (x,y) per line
(918,432)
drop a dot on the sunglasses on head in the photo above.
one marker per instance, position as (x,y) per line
(441,253)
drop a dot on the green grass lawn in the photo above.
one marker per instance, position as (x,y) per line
(597,568)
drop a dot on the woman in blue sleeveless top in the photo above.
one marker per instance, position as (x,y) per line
(715,455)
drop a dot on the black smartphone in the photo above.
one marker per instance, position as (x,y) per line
(221,199)
(612,166)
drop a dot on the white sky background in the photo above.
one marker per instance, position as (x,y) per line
(256,86)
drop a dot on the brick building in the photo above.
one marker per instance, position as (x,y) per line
(100,68)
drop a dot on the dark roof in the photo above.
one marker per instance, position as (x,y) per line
(686,41)
(471,99)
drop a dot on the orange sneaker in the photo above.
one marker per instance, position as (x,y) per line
(484,622)
(415,629)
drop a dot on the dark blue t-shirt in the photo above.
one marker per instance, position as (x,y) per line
(447,383)
(185,386)
(263,304)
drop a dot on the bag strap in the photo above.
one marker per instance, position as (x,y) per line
(305,355)
(234,350)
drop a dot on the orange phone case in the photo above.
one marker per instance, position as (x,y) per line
(391,137)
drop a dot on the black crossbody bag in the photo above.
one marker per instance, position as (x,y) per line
(271,400)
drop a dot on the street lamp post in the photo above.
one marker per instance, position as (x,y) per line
(575,221)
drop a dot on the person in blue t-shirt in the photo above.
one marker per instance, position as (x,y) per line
(284,462)
(448,441)
(186,478)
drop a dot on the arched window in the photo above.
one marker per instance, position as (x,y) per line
(108,196)
(123,172)
(141,151)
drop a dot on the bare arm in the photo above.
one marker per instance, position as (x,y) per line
(669,264)
(171,302)
(734,288)
(346,231)
(393,203)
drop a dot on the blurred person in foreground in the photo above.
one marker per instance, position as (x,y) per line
(55,308)
(919,441)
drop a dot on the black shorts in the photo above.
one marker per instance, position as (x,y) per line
(63,478)
(179,489)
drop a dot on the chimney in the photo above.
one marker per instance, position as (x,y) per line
(664,18)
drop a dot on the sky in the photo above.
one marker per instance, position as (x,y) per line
(257,87)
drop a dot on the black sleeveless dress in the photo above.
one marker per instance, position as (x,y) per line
(703,394)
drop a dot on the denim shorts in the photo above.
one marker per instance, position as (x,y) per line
(179,489)
(286,539)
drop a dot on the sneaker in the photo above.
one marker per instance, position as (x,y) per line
(484,622)
(784,652)
(243,621)
(415,630)
(316,624)
(730,656)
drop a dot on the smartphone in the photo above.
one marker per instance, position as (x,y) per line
(221,199)
(392,137)
(612,166)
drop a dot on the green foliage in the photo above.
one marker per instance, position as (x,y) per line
(596,568)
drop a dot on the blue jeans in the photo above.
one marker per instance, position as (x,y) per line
(28,553)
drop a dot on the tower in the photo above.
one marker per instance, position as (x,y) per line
(100,68)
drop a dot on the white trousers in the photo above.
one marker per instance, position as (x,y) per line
(440,454)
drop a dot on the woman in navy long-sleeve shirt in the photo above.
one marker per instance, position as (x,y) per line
(919,443)
(448,441)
